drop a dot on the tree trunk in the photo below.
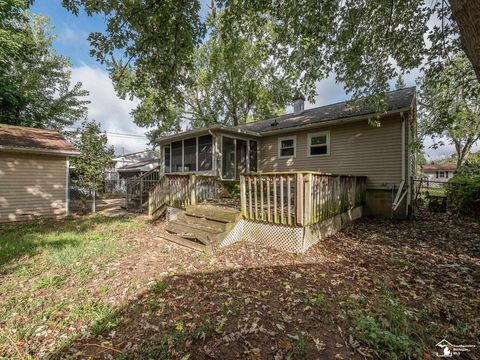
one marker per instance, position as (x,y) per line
(466,14)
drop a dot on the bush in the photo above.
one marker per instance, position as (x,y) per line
(463,195)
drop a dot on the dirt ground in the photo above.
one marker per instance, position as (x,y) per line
(377,289)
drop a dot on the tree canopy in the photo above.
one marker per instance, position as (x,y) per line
(367,44)
(450,106)
(35,86)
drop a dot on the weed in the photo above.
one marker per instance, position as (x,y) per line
(159,287)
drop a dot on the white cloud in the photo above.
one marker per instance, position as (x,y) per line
(108,109)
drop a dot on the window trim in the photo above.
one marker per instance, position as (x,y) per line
(309,143)
(279,145)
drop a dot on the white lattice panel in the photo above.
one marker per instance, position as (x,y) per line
(235,235)
(284,238)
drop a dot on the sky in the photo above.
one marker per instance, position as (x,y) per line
(114,113)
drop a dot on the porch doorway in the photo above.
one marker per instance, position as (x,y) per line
(239,156)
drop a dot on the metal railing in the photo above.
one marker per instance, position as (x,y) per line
(138,188)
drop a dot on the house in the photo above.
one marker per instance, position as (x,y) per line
(129,166)
(34,165)
(436,172)
(335,139)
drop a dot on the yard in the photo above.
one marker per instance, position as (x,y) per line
(105,286)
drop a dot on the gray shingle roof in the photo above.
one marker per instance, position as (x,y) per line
(397,99)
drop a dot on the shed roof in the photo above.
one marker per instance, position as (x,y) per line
(24,139)
(435,167)
(398,99)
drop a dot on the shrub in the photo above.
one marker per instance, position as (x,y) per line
(464,195)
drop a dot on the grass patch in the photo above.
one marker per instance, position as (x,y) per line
(387,327)
(51,256)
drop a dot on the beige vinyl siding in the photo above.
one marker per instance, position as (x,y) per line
(31,185)
(355,148)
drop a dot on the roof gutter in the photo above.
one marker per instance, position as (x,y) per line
(207,130)
(39,151)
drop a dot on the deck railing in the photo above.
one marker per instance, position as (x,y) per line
(299,198)
(179,191)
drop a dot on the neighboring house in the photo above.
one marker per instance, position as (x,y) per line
(129,166)
(335,139)
(33,173)
(438,172)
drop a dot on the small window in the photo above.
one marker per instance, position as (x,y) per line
(319,144)
(441,174)
(286,147)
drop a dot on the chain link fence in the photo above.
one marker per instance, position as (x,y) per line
(431,195)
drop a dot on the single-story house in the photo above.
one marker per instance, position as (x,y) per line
(438,172)
(336,138)
(34,172)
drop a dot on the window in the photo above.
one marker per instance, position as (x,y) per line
(286,147)
(318,144)
(166,158)
(441,174)
(177,156)
(190,155)
(205,153)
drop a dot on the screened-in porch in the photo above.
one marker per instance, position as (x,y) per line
(226,155)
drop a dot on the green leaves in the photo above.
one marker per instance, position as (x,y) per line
(95,155)
(450,105)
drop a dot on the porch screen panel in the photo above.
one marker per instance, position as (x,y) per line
(166,158)
(190,155)
(253,155)
(205,153)
(177,156)
(228,158)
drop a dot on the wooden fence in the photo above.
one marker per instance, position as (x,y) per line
(179,191)
(299,198)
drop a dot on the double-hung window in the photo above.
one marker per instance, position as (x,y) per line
(319,144)
(286,147)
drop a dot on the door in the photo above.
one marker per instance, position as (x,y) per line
(241,158)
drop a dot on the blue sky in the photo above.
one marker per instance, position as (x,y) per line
(114,113)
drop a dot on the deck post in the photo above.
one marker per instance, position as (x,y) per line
(193,190)
(299,200)
(308,199)
(243,196)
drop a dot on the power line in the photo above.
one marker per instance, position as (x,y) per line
(126,135)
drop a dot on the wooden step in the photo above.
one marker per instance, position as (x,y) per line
(204,234)
(214,212)
(185,242)
(193,219)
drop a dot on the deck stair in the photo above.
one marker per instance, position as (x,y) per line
(201,227)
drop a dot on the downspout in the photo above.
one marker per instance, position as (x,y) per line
(399,197)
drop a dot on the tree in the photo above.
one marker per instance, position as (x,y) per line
(450,106)
(95,154)
(366,43)
(235,81)
(35,88)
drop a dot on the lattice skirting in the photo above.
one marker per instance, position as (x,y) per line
(288,238)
